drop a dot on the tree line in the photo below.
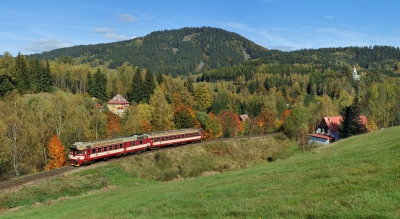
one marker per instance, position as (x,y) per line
(293,101)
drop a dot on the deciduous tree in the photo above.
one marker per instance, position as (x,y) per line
(230,122)
(162,118)
(203,96)
(184,117)
(113,126)
(57,155)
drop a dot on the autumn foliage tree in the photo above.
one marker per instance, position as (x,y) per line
(114,125)
(185,117)
(57,155)
(230,122)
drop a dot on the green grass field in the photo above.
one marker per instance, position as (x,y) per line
(357,177)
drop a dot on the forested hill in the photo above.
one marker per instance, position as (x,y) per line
(175,52)
(323,63)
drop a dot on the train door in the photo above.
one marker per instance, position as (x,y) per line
(86,154)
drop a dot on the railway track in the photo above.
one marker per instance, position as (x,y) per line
(26,180)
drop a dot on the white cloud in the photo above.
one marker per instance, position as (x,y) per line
(108,33)
(42,45)
(103,30)
(283,48)
(328,17)
(128,18)
(113,36)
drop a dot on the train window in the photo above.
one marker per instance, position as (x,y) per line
(110,147)
(140,142)
(120,146)
(80,152)
(98,150)
(93,150)
(105,148)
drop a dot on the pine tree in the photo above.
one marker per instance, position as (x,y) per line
(351,124)
(160,78)
(91,84)
(46,78)
(100,82)
(136,93)
(22,75)
(57,155)
(149,85)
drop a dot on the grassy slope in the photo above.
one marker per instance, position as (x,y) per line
(357,177)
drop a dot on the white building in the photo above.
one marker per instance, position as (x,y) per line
(356,77)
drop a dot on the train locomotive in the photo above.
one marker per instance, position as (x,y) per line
(82,153)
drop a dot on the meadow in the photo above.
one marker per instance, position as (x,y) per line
(358,177)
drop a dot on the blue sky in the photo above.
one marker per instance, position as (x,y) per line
(34,26)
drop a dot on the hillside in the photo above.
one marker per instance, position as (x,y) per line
(175,52)
(357,177)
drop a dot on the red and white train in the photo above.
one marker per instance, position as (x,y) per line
(88,152)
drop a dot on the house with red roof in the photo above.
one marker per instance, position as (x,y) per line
(244,117)
(327,131)
(118,105)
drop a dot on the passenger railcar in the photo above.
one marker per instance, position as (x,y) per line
(91,151)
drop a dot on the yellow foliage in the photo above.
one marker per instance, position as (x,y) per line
(57,155)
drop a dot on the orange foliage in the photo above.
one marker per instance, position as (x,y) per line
(146,126)
(185,117)
(230,123)
(284,115)
(267,119)
(57,155)
(114,125)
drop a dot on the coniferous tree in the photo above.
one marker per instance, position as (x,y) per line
(100,82)
(190,84)
(91,84)
(149,85)
(160,78)
(136,92)
(22,75)
(351,124)
(46,79)
(34,70)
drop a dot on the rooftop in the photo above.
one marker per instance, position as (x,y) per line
(118,99)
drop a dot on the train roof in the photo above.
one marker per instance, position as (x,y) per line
(112,141)
(173,132)
(104,142)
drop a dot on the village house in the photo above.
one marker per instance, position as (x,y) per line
(244,117)
(97,105)
(327,131)
(118,105)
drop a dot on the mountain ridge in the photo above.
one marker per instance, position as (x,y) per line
(176,52)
